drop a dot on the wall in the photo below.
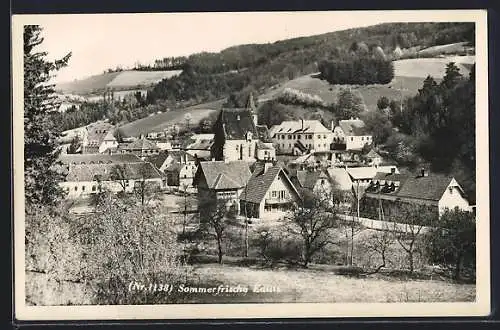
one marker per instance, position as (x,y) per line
(452,199)
(84,188)
(231,150)
(357,142)
(314,141)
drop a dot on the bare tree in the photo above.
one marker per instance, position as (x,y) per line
(312,219)
(414,217)
(351,225)
(215,218)
(380,242)
(119,174)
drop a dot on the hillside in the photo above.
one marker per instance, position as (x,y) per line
(123,80)
(409,76)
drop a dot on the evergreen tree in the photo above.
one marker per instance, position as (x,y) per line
(40,133)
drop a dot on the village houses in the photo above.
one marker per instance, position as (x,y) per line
(87,179)
(141,147)
(179,167)
(352,133)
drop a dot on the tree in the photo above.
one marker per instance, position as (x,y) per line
(124,245)
(75,145)
(453,243)
(378,124)
(312,220)
(187,118)
(215,218)
(380,243)
(382,103)
(349,104)
(414,217)
(40,133)
(119,174)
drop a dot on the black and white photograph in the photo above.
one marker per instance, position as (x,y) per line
(251,164)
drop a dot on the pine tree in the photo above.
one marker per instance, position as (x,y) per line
(40,133)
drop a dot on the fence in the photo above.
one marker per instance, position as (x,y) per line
(387,225)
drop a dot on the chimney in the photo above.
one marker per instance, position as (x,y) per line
(424,172)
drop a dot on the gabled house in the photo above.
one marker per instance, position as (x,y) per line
(373,158)
(439,192)
(314,181)
(94,136)
(218,181)
(141,148)
(269,193)
(179,167)
(301,136)
(109,143)
(352,133)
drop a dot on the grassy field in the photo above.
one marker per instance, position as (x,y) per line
(121,80)
(371,93)
(409,76)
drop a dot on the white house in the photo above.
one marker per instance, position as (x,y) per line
(109,142)
(352,133)
(298,137)
(87,179)
(269,193)
(437,191)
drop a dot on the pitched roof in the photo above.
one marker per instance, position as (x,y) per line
(353,127)
(159,159)
(98,158)
(357,173)
(308,179)
(237,171)
(224,182)
(141,144)
(180,156)
(260,181)
(299,126)
(340,177)
(373,154)
(390,176)
(87,172)
(429,187)
(236,123)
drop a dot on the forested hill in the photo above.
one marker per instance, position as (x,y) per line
(209,76)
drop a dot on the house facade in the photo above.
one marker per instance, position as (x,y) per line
(141,148)
(391,191)
(352,133)
(269,194)
(87,179)
(300,137)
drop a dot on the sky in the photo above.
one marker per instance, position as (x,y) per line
(102,41)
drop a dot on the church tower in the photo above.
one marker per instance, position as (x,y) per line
(251,107)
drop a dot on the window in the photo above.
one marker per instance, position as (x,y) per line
(289,136)
(319,136)
(249,151)
(76,188)
(310,136)
(185,176)
(324,137)
(298,137)
(273,194)
(93,188)
(282,194)
(362,138)
(283,136)
(83,188)
(289,145)
(266,153)
(322,181)
(236,147)
(352,139)
(324,145)
(278,137)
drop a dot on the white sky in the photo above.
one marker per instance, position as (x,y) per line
(102,41)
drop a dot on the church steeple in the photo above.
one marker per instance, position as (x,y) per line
(251,107)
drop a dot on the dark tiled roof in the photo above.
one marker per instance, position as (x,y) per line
(390,177)
(78,173)
(353,127)
(236,123)
(429,187)
(237,171)
(141,144)
(181,156)
(259,183)
(158,160)
(98,158)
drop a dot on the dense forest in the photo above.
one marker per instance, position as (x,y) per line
(358,71)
